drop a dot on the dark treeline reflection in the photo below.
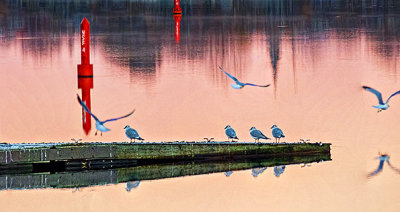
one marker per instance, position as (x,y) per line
(133,33)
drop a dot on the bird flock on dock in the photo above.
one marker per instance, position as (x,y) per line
(256,134)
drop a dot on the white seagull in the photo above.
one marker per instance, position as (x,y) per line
(230,133)
(277,133)
(382,105)
(132,133)
(238,84)
(257,134)
(100,124)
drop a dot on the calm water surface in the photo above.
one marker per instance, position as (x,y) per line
(315,54)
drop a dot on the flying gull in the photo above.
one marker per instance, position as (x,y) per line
(238,84)
(100,124)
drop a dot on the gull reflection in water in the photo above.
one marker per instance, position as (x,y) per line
(382,159)
(256,171)
(131,185)
(228,173)
(278,170)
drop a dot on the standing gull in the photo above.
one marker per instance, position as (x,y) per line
(132,133)
(277,133)
(100,124)
(230,133)
(382,105)
(257,134)
(238,84)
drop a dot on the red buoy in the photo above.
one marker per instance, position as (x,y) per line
(85,74)
(85,68)
(177,8)
(177,18)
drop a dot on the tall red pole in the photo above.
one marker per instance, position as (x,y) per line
(177,8)
(177,18)
(85,74)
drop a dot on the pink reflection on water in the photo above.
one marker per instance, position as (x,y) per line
(317,95)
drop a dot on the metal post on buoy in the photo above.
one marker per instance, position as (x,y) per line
(177,9)
(177,18)
(85,74)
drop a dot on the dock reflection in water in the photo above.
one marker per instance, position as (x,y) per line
(134,175)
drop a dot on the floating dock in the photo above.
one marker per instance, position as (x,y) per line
(58,157)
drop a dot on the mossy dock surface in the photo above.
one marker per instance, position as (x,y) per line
(25,156)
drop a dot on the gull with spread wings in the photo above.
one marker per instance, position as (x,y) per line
(100,124)
(382,105)
(238,84)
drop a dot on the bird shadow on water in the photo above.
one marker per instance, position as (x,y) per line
(382,159)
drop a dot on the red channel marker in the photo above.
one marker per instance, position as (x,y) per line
(85,74)
(85,69)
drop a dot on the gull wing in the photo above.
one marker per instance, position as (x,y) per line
(394,168)
(257,85)
(377,94)
(132,133)
(115,119)
(230,133)
(230,76)
(86,108)
(258,134)
(276,132)
(392,96)
(379,169)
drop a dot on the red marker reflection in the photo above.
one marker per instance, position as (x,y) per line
(86,83)
(177,18)
(177,8)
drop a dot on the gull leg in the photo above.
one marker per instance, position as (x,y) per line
(95,133)
(101,133)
